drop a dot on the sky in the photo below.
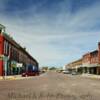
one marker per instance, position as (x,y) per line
(55,32)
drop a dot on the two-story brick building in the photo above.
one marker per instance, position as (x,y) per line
(13,57)
(74,66)
(91,62)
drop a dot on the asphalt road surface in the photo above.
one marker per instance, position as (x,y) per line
(51,86)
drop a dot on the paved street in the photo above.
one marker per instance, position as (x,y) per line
(51,86)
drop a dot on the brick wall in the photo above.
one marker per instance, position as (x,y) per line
(91,58)
(99,52)
(86,59)
(1,53)
(94,57)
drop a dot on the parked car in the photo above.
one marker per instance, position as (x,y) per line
(59,71)
(30,71)
(74,73)
(66,72)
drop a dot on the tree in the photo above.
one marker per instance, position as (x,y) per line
(44,68)
(52,68)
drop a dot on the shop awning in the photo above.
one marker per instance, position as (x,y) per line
(91,65)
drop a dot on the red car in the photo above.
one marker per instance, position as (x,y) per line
(30,71)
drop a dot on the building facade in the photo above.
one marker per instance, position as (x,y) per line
(75,66)
(13,57)
(91,62)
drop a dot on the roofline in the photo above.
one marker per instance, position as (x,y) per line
(74,61)
(10,39)
(94,51)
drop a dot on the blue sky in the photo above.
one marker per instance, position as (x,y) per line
(55,32)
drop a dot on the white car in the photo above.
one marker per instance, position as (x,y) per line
(66,72)
(74,73)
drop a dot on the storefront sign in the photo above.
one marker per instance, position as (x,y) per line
(19,65)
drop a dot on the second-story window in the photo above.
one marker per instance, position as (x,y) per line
(4,46)
(9,52)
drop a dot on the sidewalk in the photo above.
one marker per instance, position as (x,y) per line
(14,77)
(91,76)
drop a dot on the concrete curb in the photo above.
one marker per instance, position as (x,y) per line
(14,77)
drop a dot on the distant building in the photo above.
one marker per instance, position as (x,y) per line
(13,57)
(74,66)
(90,63)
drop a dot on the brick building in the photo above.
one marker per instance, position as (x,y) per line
(91,62)
(13,57)
(74,66)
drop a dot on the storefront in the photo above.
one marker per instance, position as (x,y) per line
(92,69)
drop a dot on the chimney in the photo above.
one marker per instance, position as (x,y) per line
(99,52)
